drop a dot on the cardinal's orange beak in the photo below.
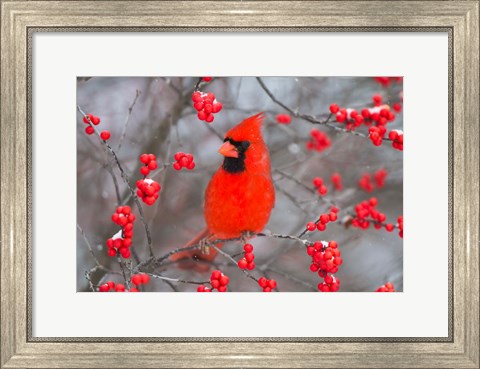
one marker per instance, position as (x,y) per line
(228,150)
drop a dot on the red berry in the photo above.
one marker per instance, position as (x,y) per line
(334,108)
(324,218)
(263,282)
(95,120)
(249,257)
(136,279)
(209,118)
(321,227)
(144,171)
(217,106)
(272,283)
(251,265)
(198,106)
(389,227)
(317,181)
(242,263)
(248,247)
(85,120)
(333,244)
(377,99)
(89,130)
(120,288)
(104,288)
(105,135)
(202,115)
(196,96)
(145,278)
(311,226)
(224,280)
(216,274)
(133,289)
(284,119)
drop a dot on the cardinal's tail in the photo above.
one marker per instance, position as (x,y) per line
(192,258)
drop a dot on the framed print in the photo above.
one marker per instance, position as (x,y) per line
(124,169)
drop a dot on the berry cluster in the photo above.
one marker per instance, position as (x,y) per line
(385,81)
(326,259)
(319,140)
(376,135)
(147,190)
(90,118)
(350,117)
(111,286)
(183,160)
(321,188)
(150,163)
(366,184)
(122,240)
(336,179)
(321,224)
(330,284)
(138,279)
(268,285)
(397,137)
(206,105)
(367,213)
(375,118)
(247,261)
(387,287)
(219,281)
(380,114)
(284,119)
(400,225)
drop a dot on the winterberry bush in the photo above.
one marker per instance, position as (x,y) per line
(147,148)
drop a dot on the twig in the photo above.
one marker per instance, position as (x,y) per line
(292,278)
(88,276)
(303,185)
(90,249)
(115,183)
(124,274)
(176,280)
(130,109)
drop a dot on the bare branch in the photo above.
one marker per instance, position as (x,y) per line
(130,109)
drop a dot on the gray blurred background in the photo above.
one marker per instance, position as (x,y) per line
(163,122)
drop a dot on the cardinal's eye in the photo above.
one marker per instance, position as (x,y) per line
(245,144)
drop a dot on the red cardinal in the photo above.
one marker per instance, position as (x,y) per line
(240,195)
